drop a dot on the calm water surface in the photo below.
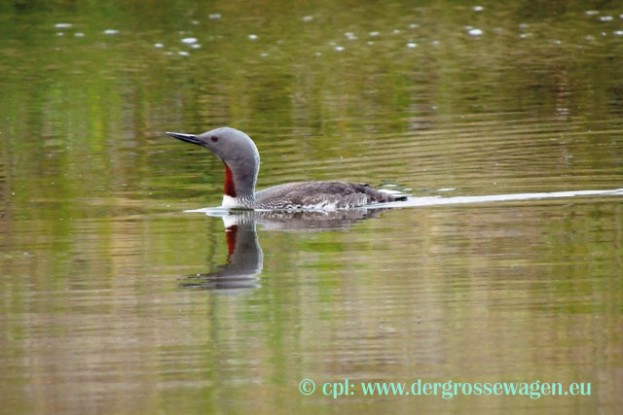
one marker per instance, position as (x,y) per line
(117,301)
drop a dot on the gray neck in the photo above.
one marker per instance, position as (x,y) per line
(242,166)
(245,178)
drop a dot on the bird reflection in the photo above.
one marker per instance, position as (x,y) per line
(245,258)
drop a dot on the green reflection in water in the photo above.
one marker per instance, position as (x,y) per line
(90,193)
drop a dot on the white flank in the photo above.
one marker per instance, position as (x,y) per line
(230,202)
(324,205)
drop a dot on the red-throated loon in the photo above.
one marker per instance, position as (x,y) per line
(242,164)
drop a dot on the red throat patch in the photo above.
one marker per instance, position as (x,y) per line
(230,187)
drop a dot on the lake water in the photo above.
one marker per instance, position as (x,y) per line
(503,122)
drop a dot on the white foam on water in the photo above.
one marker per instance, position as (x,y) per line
(511,197)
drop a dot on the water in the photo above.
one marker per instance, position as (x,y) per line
(503,123)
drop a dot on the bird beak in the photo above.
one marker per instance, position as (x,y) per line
(189,138)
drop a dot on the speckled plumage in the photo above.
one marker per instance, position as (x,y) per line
(320,195)
(242,160)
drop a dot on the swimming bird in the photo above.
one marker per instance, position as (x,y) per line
(242,164)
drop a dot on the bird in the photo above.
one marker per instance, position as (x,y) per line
(241,158)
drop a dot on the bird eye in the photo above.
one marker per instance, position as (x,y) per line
(214,138)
